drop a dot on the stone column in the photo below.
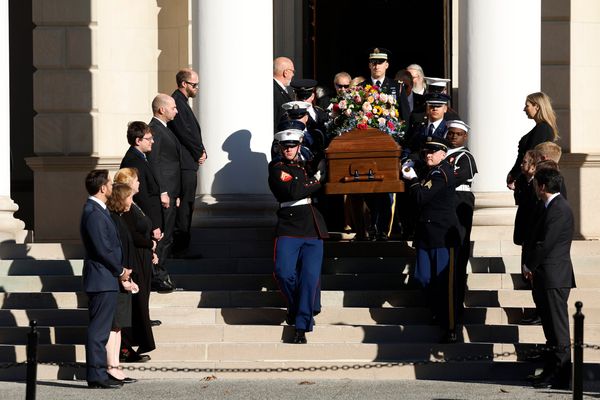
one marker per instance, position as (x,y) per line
(233,54)
(96,70)
(11,229)
(499,63)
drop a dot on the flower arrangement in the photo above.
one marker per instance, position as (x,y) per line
(363,107)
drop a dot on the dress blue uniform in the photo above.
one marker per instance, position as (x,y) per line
(299,233)
(437,236)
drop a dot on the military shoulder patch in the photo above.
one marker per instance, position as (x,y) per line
(285,177)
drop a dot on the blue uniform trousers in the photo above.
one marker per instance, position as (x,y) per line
(298,272)
(101,309)
(435,272)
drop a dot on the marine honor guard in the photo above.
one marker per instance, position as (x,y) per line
(463,163)
(436,236)
(299,233)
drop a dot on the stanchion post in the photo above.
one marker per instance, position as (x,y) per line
(32,347)
(578,318)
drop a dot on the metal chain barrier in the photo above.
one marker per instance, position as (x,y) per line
(577,345)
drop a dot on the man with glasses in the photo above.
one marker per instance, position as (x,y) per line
(299,233)
(186,128)
(283,72)
(437,233)
(140,139)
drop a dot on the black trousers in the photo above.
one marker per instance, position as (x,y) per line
(183,219)
(464,212)
(553,308)
(164,246)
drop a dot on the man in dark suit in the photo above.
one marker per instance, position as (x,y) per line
(186,128)
(140,139)
(379,64)
(283,72)
(102,268)
(549,260)
(165,161)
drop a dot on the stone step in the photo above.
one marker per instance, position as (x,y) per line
(307,371)
(310,352)
(477,265)
(192,316)
(231,248)
(177,333)
(363,281)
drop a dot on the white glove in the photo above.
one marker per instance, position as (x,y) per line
(318,176)
(409,173)
(408,164)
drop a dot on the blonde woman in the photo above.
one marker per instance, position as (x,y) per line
(140,228)
(120,203)
(538,107)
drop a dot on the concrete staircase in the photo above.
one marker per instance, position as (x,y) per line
(230,314)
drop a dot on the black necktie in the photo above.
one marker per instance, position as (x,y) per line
(430,130)
(378,83)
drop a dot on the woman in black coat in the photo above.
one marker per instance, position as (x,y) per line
(140,227)
(538,107)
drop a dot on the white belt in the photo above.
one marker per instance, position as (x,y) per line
(463,188)
(301,202)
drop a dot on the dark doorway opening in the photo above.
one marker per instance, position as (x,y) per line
(343,31)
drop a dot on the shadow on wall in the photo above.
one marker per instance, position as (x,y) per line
(246,172)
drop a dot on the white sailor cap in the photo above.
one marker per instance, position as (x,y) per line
(296,109)
(458,124)
(289,136)
(441,82)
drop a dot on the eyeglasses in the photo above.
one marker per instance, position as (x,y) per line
(148,138)
(193,85)
(337,85)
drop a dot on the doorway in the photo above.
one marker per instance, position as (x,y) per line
(341,33)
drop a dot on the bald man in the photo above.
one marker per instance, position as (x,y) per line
(283,72)
(165,162)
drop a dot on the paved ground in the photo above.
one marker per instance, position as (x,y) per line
(292,389)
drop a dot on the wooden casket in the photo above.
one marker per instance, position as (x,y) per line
(363,161)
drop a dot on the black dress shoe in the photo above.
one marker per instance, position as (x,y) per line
(135,357)
(299,337)
(535,378)
(535,320)
(107,384)
(382,237)
(162,287)
(155,322)
(551,384)
(124,380)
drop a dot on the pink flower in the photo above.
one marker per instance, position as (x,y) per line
(383,97)
(348,112)
(342,105)
(366,106)
(381,121)
(357,99)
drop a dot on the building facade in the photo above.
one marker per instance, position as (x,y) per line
(97,64)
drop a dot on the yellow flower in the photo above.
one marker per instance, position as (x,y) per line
(377,110)
(370,99)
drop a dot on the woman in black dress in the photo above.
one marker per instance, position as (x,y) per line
(140,228)
(538,107)
(120,203)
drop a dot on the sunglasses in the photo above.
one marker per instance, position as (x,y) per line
(337,85)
